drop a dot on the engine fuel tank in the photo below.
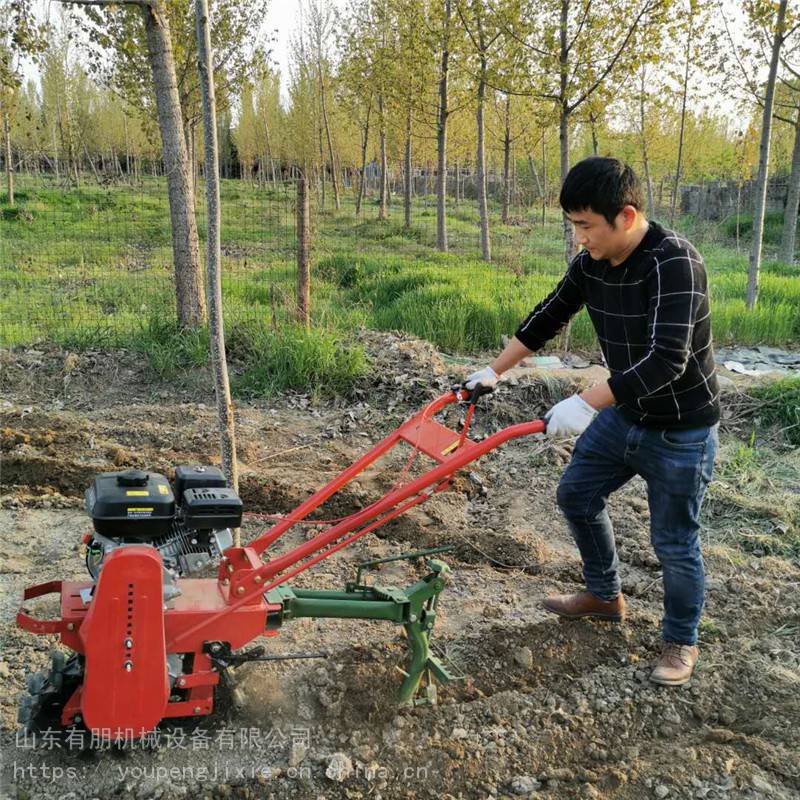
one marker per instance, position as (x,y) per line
(132,504)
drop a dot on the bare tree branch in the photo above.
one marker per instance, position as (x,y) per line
(750,83)
(580,25)
(635,24)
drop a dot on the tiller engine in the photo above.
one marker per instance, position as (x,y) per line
(151,643)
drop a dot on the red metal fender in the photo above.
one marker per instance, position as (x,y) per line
(126,687)
(29,623)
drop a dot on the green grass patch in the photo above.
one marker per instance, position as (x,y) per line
(263,361)
(294,358)
(780,406)
(773,227)
(92,267)
(169,349)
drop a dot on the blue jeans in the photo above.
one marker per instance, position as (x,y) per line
(677,467)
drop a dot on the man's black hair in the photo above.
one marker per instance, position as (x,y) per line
(603,185)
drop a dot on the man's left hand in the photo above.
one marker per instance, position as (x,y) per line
(570,417)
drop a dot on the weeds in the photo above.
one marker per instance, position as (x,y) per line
(294,358)
(752,502)
(780,406)
(773,227)
(169,349)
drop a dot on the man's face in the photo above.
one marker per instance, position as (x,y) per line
(597,236)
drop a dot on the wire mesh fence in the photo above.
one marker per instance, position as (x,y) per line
(96,259)
(91,265)
(91,262)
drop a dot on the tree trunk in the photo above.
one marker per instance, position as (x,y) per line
(193,159)
(185,245)
(303,248)
(66,136)
(535,175)
(9,165)
(187,133)
(738,211)
(593,126)
(334,180)
(544,182)
(76,169)
(225,415)
(269,150)
(55,155)
(674,199)
(570,246)
(441,136)
(127,148)
(792,201)
(506,163)
(91,162)
(384,184)
(363,175)
(514,184)
(321,169)
(645,158)
(480,155)
(760,188)
(407,173)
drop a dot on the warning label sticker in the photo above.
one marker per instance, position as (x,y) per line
(140,512)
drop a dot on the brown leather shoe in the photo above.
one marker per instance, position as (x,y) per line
(675,664)
(585,604)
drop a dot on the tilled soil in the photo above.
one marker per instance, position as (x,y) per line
(546,708)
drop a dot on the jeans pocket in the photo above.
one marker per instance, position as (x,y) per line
(685,438)
(676,466)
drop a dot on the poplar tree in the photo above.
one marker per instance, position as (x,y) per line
(21,36)
(561,38)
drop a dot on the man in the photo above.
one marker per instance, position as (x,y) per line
(645,290)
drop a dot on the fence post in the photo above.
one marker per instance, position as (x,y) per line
(303,247)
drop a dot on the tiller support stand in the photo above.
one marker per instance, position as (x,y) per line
(413,607)
(149,644)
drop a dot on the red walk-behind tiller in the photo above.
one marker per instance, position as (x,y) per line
(151,644)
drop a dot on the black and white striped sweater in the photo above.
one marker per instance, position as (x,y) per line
(653,322)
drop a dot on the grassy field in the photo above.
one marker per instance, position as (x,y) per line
(90,268)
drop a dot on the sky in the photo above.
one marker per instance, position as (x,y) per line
(282,19)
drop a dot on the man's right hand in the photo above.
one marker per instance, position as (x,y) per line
(485,377)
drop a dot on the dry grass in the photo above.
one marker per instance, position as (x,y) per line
(753,503)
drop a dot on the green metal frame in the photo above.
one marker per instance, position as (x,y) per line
(413,607)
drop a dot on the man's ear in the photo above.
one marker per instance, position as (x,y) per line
(628,215)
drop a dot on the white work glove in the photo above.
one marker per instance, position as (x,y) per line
(570,417)
(484,377)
